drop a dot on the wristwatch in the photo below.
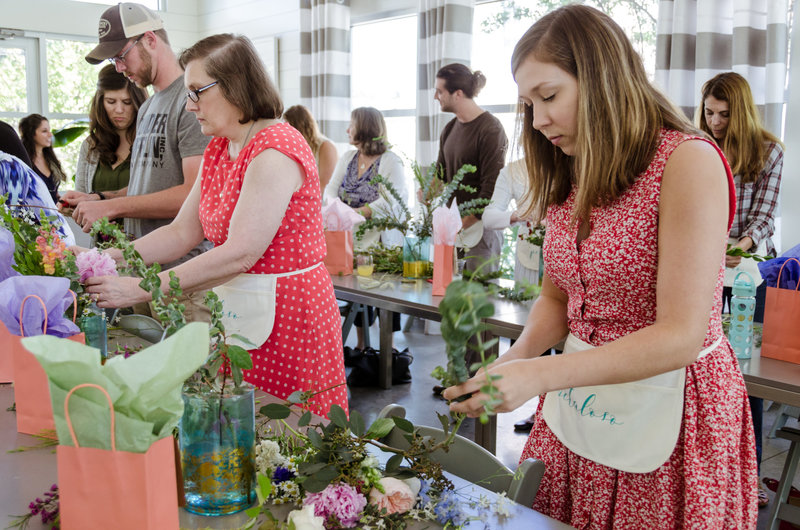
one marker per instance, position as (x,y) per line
(100,194)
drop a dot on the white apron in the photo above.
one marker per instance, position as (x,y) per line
(248,305)
(631,426)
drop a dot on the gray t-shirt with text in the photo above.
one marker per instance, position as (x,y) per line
(166,133)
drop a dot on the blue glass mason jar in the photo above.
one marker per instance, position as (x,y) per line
(217,441)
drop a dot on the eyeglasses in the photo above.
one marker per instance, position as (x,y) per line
(121,57)
(194,95)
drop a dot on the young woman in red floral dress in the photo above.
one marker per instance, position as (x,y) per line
(644,420)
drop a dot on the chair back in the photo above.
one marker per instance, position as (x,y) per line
(473,463)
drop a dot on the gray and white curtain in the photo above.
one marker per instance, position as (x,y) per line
(445,36)
(698,39)
(325,64)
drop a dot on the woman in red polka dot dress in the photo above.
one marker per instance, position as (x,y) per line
(258,200)
(644,420)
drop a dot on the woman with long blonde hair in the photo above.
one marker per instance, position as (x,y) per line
(643,421)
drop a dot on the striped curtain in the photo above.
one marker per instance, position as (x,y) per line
(698,39)
(445,36)
(325,64)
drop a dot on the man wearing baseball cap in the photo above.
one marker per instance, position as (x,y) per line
(168,148)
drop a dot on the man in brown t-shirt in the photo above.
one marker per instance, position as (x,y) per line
(474,137)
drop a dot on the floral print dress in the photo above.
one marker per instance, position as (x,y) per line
(304,351)
(710,479)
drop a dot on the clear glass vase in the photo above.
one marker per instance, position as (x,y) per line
(416,257)
(217,441)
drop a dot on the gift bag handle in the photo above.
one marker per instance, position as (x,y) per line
(44,331)
(69,420)
(797,287)
(22,308)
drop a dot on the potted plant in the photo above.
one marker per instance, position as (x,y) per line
(418,228)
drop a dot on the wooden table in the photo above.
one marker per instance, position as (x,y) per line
(765,378)
(28,474)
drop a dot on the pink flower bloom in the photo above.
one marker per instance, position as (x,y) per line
(340,500)
(94,263)
(398,497)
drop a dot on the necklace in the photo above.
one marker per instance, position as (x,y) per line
(248,133)
(244,143)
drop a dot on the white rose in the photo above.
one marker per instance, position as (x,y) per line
(415,485)
(304,519)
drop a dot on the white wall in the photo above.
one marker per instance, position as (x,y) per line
(790,183)
(81,18)
(259,20)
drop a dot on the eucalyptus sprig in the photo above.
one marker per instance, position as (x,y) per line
(463,308)
(167,307)
(733,250)
(518,293)
(224,358)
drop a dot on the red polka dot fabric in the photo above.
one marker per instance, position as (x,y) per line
(710,480)
(304,351)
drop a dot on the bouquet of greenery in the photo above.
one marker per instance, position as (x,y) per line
(434,194)
(224,359)
(329,473)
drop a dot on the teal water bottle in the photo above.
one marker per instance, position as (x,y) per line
(93,325)
(743,307)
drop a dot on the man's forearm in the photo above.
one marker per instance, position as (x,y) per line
(163,204)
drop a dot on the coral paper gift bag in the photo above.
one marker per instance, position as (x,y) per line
(31,387)
(339,258)
(99,488)
(442,268)
(6,363)
(781,338)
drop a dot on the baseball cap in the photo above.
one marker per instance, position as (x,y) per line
(118,24)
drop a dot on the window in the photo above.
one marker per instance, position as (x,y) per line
(62,96)
(498,25)
(388,85)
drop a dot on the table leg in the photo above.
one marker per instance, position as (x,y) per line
(385,362)
(486,433)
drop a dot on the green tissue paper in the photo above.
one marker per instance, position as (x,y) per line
(145,388)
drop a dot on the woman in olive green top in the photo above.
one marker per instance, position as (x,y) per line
(104,160)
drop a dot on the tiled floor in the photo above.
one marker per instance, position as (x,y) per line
(422,406)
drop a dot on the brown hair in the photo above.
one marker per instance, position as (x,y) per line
(370,130)
(103,135)
(234,63)
(456,76)
(301,119)
(27,130)
(746,141)
(620,114)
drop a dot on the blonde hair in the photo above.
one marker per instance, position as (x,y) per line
(620,114)
(746,141)
(301,119)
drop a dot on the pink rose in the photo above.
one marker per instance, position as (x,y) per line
(94,263)
(398,497)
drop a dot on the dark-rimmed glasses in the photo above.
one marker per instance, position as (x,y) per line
(194,95)
(121,57)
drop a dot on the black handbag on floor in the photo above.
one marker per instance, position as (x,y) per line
(365,368)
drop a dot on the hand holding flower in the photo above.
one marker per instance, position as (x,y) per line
(116,291)
(93,263)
